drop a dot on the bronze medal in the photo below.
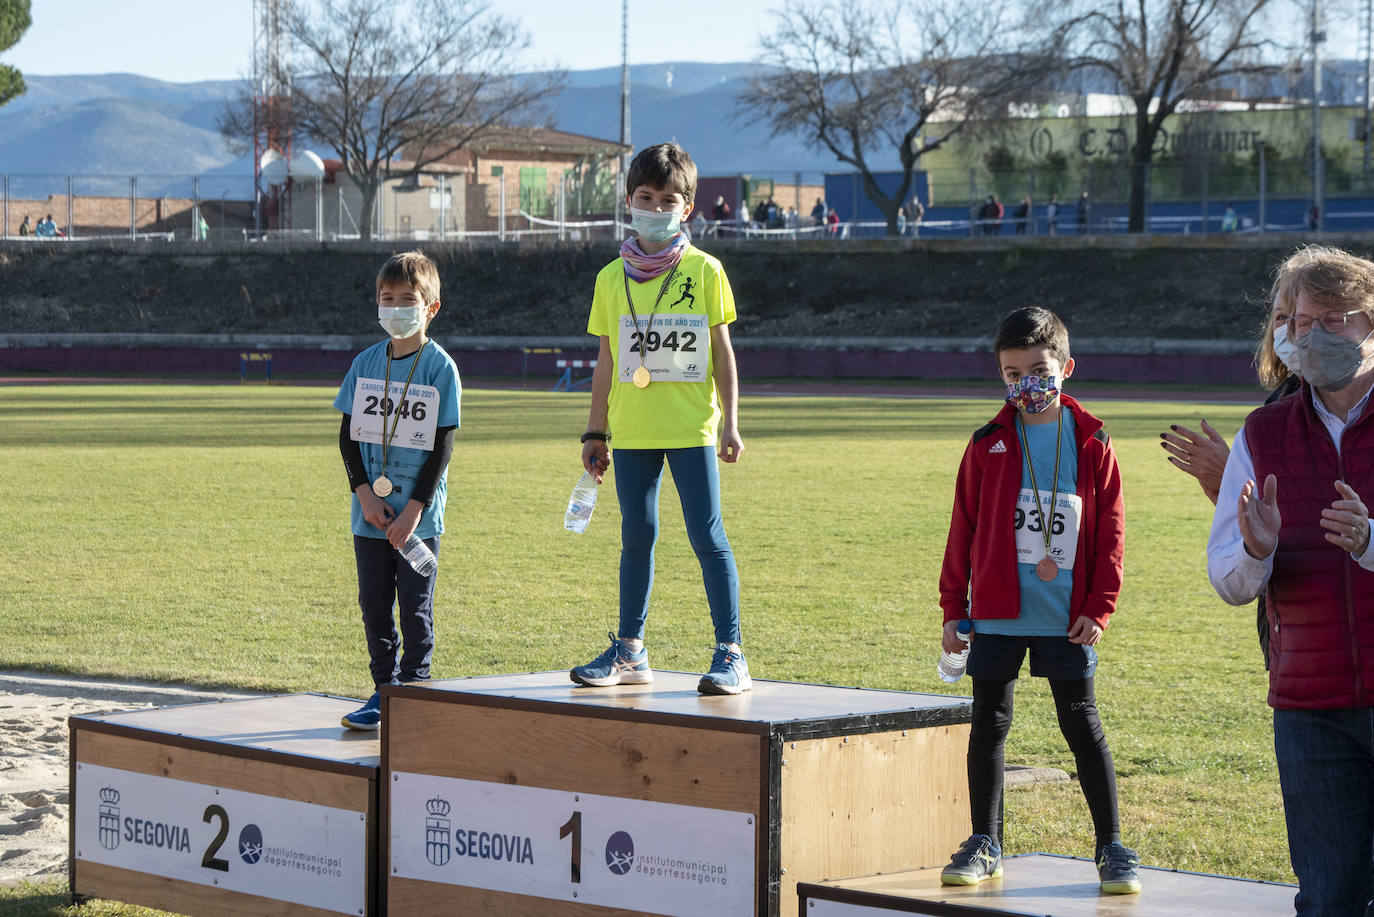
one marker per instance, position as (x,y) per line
(641,378)
(1047,569)
(382,486)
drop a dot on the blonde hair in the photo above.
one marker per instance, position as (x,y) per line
(413,269)
(1328,276)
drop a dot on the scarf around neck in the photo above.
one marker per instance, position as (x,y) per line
(640,267)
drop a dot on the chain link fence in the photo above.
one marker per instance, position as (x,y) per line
(1252,193)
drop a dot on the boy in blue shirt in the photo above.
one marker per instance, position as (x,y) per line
(400,409)
(1034,559)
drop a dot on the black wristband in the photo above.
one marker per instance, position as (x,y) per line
(596,434)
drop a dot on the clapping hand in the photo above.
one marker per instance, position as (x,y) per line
(1202,456)
(1259,518)
(1347,521)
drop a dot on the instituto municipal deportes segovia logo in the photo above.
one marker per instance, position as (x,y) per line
(250,844)
(438,830)
(620,853)
(109,817)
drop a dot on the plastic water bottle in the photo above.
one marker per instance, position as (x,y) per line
(952,665)
(419,556)
(581,504)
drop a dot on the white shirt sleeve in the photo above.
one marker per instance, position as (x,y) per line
(1366,559)
(1236,576)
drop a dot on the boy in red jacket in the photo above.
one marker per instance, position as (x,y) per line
(1034,559)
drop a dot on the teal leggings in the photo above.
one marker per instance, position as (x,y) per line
(638,474)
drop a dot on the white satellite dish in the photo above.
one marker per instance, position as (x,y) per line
(273,167)
(305,166)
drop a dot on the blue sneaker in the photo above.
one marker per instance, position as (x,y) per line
(977,858)
(368,716)
(1117,869)
(617,666)
(729,673)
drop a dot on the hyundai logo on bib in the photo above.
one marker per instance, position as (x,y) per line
(620,853)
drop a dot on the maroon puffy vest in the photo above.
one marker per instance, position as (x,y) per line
(1320,601)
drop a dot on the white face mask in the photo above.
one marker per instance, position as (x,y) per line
(1286,350)
(401,321)
(655,226)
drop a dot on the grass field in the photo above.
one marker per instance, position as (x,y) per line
(199,534)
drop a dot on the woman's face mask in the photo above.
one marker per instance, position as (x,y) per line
(1330,361)
(1286,350)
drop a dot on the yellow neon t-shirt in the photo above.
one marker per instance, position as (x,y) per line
(680,408)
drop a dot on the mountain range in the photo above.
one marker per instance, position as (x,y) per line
(104,128)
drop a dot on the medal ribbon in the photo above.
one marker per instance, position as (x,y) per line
(386,396)
(1030,466)
(644,338)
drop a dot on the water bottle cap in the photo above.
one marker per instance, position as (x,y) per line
(965,626)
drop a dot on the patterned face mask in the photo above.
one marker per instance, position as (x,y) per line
(1033,394)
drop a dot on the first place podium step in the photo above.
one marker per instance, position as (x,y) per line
(1045,885)
(527,794)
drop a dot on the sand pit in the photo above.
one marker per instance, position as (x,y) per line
(33,760)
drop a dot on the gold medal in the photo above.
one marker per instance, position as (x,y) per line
(382,486)
(641,378)
(1047,569)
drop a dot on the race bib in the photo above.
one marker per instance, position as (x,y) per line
(414,415)
(677,348)
(1031,521)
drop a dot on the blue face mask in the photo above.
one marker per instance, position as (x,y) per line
(655,226)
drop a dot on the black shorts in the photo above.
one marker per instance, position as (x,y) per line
(998,657)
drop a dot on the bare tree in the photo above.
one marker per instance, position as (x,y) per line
(866,80)
(378,79)
(1160,53)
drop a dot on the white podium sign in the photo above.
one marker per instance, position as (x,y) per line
(660,858)
(245,842)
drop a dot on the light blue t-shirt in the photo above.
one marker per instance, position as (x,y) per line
(435,369)
(1044,606)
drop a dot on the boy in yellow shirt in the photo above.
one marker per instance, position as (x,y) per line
(665,386)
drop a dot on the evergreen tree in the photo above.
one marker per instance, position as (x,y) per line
(14,22)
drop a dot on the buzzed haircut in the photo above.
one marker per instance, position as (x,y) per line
(413,269)
(663,165)
(1032,326)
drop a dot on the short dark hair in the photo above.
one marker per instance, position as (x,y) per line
(1032,326)
(414,270)
(663,165)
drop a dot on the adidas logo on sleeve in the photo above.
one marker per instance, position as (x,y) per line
(997,448)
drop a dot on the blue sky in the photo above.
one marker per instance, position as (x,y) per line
(182,41)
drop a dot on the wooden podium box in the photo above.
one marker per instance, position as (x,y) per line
(527,794)
(1045,885)
(248,807)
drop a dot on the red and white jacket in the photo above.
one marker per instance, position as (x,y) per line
(980,554)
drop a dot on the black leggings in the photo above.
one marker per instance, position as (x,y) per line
(1082,729)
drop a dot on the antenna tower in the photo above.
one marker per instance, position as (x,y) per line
(271,81)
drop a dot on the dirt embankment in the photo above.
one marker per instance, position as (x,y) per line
(1182,290)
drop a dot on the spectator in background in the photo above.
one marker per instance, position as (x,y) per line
(832,218)
(1314,218)
(1228,219)
(1083,207)
(818,213)
(789,219)
(986,214)
(24,227)
(202,228)
(1022,215)
(915,212)
(720,213)
(761,214)
(47,227)
(1052,214)
(774,214)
